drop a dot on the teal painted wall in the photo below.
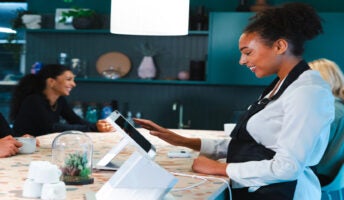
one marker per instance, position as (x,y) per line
(226,28)
(223,58)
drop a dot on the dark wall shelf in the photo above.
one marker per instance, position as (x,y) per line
(95,31)
(141,81)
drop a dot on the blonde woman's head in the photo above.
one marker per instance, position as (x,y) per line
(331,73)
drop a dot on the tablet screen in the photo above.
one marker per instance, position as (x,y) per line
(133,133)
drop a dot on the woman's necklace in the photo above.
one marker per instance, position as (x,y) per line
(54,107)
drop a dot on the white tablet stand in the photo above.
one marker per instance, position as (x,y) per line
(105,162)
(139,177)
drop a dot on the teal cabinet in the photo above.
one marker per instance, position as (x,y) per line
(223,53)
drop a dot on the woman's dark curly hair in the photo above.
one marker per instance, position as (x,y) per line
(33,84)
(295,22)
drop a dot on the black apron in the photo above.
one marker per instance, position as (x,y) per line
(243,147)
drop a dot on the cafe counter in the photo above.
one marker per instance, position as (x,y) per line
(14,170)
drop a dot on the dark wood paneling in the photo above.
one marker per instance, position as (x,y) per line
(174,53)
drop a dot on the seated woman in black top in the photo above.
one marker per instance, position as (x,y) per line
(38,103)
(8,145)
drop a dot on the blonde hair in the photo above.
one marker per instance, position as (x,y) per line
(331,73)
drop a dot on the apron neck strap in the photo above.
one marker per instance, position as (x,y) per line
(292,76)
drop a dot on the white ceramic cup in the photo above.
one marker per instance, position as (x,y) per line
(54,191)
(34,168)
(29,144)
(32,189)
(46,173)
(228,127)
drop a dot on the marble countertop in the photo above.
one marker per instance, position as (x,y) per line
(13,170)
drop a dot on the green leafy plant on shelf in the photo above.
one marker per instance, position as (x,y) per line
(75,13)
(76,165)
(82,18)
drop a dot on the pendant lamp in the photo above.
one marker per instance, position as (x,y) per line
(150,17)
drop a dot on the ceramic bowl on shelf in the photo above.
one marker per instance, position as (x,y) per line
(113,65)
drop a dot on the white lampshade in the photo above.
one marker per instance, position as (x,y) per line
(150,17)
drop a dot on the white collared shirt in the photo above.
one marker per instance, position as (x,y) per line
(296,126)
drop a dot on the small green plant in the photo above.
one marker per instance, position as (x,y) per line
(76,165)
(148,49)
(76,13)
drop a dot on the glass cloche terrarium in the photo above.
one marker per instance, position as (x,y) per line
(72,151)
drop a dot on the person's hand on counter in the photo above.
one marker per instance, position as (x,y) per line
(9,146)
(105,126)
(168,136)
(206,165)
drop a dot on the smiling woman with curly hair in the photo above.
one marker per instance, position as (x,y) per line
(284,133)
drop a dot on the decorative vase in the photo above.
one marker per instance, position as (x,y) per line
(147,68)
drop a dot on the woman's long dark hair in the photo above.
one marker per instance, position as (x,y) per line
(33,84)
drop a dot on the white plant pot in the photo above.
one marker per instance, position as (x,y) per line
(147,68)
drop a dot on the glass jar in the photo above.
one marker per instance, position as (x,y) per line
(106,110)
(72,151)
(92,113)
(63,59)
(76,66)
(77,108)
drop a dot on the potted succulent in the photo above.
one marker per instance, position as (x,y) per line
(83,18)
(76,170)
